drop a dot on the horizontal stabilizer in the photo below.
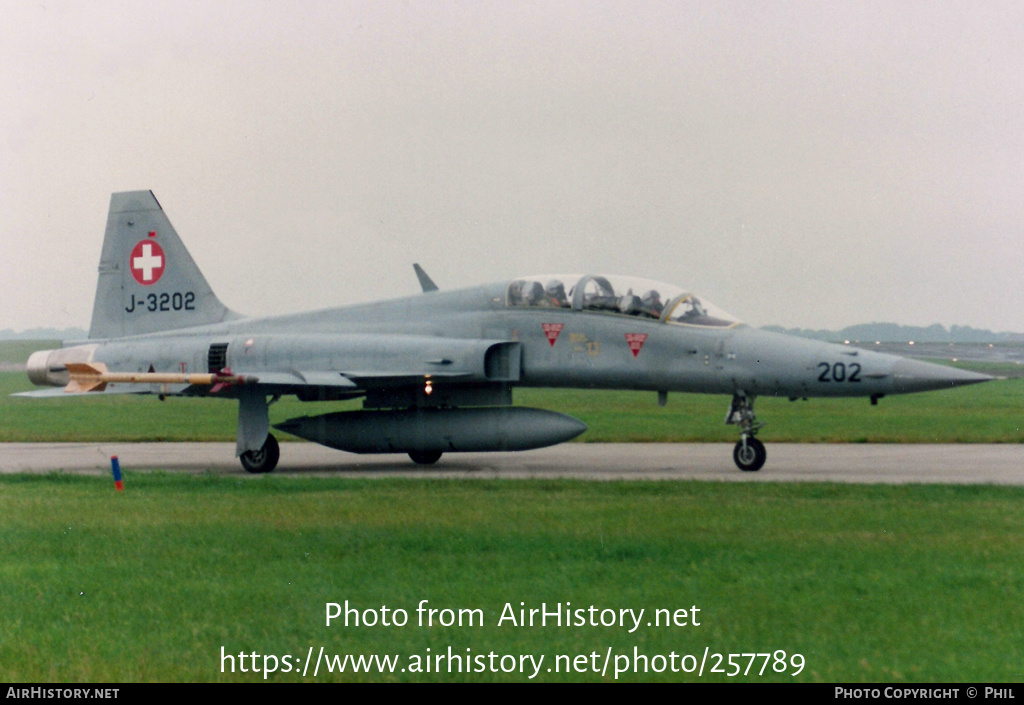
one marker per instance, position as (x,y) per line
(62,393)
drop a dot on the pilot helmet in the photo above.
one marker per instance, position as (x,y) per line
(532,293)
(555,289)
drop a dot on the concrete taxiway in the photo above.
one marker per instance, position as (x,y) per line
(787,462)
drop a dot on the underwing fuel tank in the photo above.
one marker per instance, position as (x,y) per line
(437,430)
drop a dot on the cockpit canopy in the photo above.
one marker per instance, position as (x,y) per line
(626,296)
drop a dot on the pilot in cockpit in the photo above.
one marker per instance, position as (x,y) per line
(533,294)
(515,293)
(652,303)
(554,294)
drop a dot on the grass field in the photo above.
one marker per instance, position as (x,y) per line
(877,584)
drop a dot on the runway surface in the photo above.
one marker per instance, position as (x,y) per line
(787,462)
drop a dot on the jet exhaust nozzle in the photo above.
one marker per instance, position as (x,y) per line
(438,430)
(48,368)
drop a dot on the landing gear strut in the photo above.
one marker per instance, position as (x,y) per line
(749,454)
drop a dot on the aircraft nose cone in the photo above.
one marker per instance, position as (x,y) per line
(917,376)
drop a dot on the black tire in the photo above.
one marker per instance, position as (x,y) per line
(262,460)
(425,457)
(750,458)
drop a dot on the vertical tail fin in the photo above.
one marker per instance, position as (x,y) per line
(148,281)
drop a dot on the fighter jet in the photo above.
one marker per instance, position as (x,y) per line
(436,371)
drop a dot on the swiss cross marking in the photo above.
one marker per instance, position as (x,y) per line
(147,262)
(636,341)
(551,331)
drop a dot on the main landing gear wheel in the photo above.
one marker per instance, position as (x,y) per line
(262,460)
(749,455)
(425,457)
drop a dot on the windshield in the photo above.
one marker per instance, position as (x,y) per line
(625,296)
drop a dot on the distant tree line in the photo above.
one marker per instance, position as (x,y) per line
(44,334)
(896,333)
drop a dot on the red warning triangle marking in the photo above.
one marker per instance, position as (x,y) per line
(636,341)
(551,331)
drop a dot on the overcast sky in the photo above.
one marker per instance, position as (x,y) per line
(812,164)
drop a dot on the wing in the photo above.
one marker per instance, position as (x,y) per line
(349,366)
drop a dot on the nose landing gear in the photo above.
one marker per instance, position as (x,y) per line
(749,454)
